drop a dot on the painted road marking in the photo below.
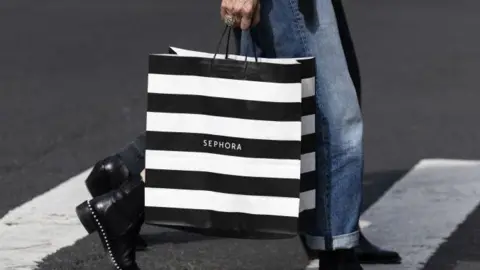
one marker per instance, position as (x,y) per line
(42,226)
(423,209)
(414,217)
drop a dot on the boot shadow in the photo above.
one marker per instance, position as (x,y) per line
(153,237)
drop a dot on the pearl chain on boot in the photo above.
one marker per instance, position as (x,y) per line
(104,235)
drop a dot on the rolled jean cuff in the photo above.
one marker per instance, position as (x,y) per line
(344,241)
(133,156)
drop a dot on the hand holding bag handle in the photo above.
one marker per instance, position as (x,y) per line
(227,31)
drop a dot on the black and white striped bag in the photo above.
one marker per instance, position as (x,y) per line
(226,145)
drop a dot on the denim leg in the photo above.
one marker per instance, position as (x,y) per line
(133,155)
(288,29)
(348,47)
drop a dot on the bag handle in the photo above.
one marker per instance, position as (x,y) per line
(228,30)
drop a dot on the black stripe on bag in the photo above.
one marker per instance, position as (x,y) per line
(224,107)
(307,222)
(194,180)
(225,68)
(308,68)
(308,181)
(308,106)
(308,143)
(308,65)
(221,223)
(240,147)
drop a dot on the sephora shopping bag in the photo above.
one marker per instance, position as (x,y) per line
(224,148)
(308,177)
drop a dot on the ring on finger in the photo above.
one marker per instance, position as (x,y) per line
(229,20)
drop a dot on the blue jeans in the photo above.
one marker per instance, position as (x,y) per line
(302,28)
(289,30)
(133,156)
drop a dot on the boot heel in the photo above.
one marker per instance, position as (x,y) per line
(86,217)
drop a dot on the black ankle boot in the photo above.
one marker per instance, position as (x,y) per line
(107,175)
(116,216)
(368,253)
(342,259)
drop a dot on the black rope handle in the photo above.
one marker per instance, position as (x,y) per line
(254,53)
(227,31)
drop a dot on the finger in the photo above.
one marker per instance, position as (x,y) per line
(248,18)
(247,9)
(223,9)
(236,9)
(226,8)
(247,15)
(233,8)
(223,12)
(256,17)
(246,23)
(238,21)
(227,18)
(243,8)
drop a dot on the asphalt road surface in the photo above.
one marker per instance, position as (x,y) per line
(73,84)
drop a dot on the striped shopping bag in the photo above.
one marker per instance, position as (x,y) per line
(227,143)
(307,221)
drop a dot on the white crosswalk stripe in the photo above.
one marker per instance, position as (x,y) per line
(42,226)
(419,212)
(414,217)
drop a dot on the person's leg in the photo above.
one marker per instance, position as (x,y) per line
(348,47)
(117,217)
(133,155)
(366,251)
(339,134)
(290,30)
(110,172)
(116,181)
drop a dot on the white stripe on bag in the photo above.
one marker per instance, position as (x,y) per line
(222,126)
(230,165)
(307,200)
(225,88)
(183,52)
(308,162)
(222,202)
(308,87)
(308,124)
(308,84)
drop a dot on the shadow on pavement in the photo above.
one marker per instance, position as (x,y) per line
(375,185)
